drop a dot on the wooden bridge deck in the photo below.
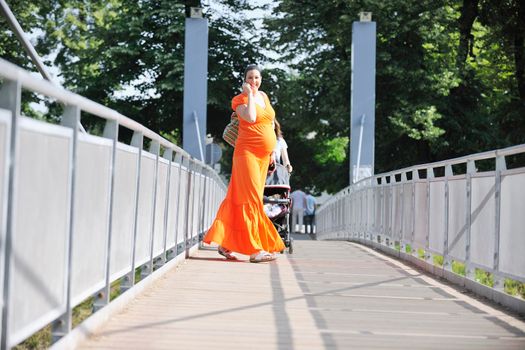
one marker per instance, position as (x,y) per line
(327,295)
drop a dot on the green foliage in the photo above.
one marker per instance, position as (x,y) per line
(515,288)
(420,125)
(39,340)
(449,81)
(31,16)
(42,338)
(437,95)
(173,136)
(484,277)
(129,55)
(333,151)
(438,260)
(458,267)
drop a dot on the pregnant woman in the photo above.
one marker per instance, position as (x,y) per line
(241,224)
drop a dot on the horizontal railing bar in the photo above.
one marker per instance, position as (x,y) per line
(74,205)
(517,149)
(454,161)
(27,80)
(440,221)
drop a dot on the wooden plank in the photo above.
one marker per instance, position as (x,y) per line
(325,295)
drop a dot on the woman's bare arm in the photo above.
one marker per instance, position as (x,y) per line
(247,112)
(286,160)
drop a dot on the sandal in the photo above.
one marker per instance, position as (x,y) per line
(262,256)
(226,253)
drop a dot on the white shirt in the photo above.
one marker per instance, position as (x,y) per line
(277,151)
(298,199)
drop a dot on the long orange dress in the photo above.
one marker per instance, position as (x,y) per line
(241,224)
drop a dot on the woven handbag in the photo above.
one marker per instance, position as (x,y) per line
(231,131)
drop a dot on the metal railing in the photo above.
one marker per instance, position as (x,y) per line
(79,211)
(446,210)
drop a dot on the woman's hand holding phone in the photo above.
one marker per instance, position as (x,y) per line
(247,89)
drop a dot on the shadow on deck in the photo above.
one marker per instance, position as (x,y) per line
(327,295)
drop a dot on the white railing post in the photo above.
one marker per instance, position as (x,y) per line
(62,325)
(447,260)
(198,196)
(471,170)
(147,269)
(188,204)
(429,177)
(499,281)
(195,197)
(102,297)
(402,241)
(168,154)
(10,99)
(391,214)
(179,158)
(128,280)
(415,177)
(203,203)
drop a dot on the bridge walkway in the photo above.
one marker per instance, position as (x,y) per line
(327,295)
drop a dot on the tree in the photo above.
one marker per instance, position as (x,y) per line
(31,18)
(129,55)
(318,37)
(503,52)
(446,84)
(449,73)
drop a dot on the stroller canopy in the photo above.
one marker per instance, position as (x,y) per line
(278,177)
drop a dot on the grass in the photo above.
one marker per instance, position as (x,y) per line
(42,339)
(438,260)
(82,311)
(484,277)
(397,246)
(458,268)
(511,287)
(515,288)
(39,340)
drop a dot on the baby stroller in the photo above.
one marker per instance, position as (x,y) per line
(277,202)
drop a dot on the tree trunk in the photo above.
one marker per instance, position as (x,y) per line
(519,50)
(469,12)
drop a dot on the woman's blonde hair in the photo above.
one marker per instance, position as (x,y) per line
(277,129)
